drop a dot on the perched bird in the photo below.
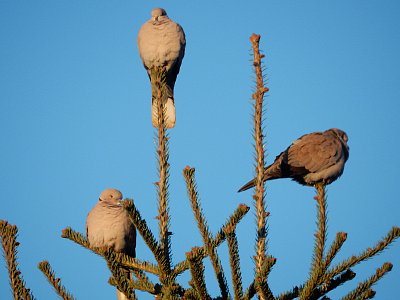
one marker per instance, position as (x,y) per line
(317,157)
(162,43)
(108,225)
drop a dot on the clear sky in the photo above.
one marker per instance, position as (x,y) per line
(75,119)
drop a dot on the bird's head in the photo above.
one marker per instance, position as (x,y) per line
(341,134)
(156,13)
(111,197)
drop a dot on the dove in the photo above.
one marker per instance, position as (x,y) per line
(161,43)
(108,225)
(317,157)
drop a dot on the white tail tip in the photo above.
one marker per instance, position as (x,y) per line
(169,114)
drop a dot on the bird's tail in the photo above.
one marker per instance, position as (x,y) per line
(247,186)
(252,183)
(121,295)
(270,173)
(169,113)
(158,76)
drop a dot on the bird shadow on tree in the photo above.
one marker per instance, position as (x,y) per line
(324,276)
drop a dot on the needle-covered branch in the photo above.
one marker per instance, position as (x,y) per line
(8,236)
(233,221)
(234,260)
(322,290)
(55,282)
(80,239)
(197,272)
(209,244)
(317,268)
(134,263)
(220,237)
(393,234)
(335,247)
(332,284)
(121,277)
(121,258)
(160,92)
(259,194)
(369,294)
(141,285)
(260,281)
(289,295)
(143,229)
(250,292)
(364,287)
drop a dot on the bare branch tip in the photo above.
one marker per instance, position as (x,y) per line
(244,207)
(255,38)
(64,232)
(387,266)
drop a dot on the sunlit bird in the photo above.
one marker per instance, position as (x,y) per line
(317,157)
(108,225)
(162,43)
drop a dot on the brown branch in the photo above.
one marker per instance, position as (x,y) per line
(8,235)
(209,244)
(55,282)
(320,291)
(234,260)
(259,195)
(364,287)
(121,276)
(197,271)
(334,249)
(393,234)
(134,263)
(158,76)
(143,229)
(220,237)
(317,268)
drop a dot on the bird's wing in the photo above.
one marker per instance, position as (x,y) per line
(178,52)
(315,152)
(130,241)
(144,42)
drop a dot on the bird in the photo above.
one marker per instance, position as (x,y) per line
(108,225)
(317,157)
(161,43)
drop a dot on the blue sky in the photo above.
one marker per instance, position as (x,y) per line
(75,119)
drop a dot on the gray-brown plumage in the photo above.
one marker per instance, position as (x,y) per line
(313,158)
(162,43)
(108,225)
